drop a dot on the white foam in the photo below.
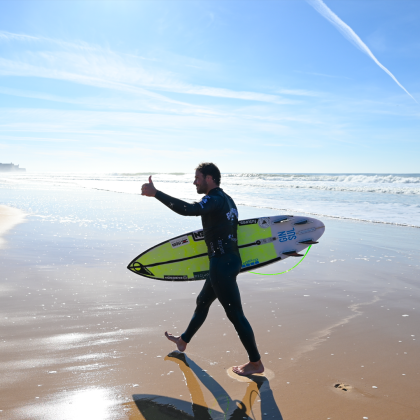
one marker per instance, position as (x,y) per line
(378,198)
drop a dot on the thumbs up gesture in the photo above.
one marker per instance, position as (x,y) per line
(148,189)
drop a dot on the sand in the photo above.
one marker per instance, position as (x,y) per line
(9,218)
(82,337)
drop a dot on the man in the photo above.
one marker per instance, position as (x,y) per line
(219,216)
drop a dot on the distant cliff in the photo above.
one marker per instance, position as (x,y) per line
(9,167)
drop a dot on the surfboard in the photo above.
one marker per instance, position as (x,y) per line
(261,241)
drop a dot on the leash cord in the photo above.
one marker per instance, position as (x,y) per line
(290,269)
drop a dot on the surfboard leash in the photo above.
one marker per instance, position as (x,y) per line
(290,269)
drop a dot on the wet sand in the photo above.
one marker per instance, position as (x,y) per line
(82,337)
(9,217)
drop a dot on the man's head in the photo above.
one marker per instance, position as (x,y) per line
(207,177)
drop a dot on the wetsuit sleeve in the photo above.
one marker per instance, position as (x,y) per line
(206,205)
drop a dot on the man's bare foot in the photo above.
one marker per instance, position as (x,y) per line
(249,368)
(180,343)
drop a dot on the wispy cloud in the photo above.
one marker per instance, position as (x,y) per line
(27,126)
(91,65)
(8,36)
(135,104)
(36,139)
(348,33)
(299,92)
(92,78)
(171,153)
(225,93)
(64,153)
(78,45)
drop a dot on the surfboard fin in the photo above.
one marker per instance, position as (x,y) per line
(292,254)
(302,222)
(308,242)
(284,219)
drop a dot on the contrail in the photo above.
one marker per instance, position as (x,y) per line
(345,29)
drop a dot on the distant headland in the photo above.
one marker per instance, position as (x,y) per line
(9,167)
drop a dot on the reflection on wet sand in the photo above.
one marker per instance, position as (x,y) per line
(156,407)
(9,217)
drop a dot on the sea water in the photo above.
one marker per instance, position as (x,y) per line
(377,198)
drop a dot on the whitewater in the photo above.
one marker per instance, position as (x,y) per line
(375,198)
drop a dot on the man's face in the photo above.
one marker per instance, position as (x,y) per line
(200,182)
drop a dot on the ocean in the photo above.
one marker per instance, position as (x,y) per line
(376,198)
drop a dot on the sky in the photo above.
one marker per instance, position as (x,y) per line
(254,86)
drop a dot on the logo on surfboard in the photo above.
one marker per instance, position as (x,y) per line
(264,222)
(198,235)
(248,222)
(287,235)
(176,243)
(175,277)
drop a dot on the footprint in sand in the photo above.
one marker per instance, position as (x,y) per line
(343,387)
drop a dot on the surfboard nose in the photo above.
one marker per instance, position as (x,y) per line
(139,268)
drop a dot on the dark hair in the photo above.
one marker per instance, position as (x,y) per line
(207,168)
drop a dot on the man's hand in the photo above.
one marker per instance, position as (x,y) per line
(149,189)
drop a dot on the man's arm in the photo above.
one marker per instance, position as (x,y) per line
(183,208)
(178,206)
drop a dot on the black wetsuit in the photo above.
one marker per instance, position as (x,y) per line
(219,216)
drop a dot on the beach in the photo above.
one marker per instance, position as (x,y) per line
(9,218)
(82,337)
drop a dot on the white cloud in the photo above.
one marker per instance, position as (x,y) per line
(8,36)
(36,139)
(174,153)
(348,33)
(299,92)
(83,64)
(225,93)
(64,153)
(16,68)
(80,45)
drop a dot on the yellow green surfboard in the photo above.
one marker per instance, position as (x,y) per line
(261,241)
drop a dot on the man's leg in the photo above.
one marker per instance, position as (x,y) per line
(204,301)
(223,272)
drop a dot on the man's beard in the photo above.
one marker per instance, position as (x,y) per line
(202,188)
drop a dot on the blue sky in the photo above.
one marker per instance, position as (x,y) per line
(255,86)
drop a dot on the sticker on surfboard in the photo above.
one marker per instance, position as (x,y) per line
(264,222)
(183,240)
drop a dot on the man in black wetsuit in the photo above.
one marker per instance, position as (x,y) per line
(219,216)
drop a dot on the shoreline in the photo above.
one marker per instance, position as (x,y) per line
(9,218)
(332,217)
(188,199)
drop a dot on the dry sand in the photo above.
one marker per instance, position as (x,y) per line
(82,338)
